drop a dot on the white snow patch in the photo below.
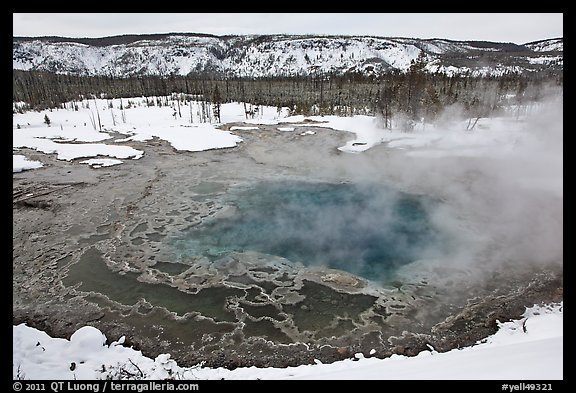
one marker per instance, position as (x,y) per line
(241,128)
(544,59)
(101,162)
(196,137)
(21,163)
(68,152)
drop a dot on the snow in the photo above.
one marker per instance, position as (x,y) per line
(368,133)
(425,139)
(544,59)
(87,339)
(71,134)
(556,44)
(70,152)
(197,137)
(65,135)
(101,162)
(240,128)
(243,56)
(511,353)
(530,348)
(21,163)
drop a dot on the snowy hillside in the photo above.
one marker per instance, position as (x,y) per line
(547,45)
(271,55)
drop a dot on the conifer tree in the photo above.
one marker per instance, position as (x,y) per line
(216,103)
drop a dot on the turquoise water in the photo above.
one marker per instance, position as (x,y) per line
(367,230)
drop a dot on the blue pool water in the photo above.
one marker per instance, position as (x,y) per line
(368,230)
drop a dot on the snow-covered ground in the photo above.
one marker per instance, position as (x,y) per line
(530,348)
(21,163)
(74,134)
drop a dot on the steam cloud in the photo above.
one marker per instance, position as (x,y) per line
(505,204)
(502,199)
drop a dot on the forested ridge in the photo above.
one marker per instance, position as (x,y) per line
(400,79)
(415,95)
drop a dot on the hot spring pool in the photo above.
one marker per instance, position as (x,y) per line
(365,229)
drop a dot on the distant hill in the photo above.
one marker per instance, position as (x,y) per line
(257,56)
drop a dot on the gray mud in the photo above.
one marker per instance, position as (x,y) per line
(91,249)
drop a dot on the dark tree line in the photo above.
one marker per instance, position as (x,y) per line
(406,97)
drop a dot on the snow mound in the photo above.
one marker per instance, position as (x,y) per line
(87,338)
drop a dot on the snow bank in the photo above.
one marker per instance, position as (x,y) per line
(71,134)
(197,137)
(529,348)
(49,141)
(240,128)
(511,353)
(425,139)
(99,163)
(137,121)
(21,163)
